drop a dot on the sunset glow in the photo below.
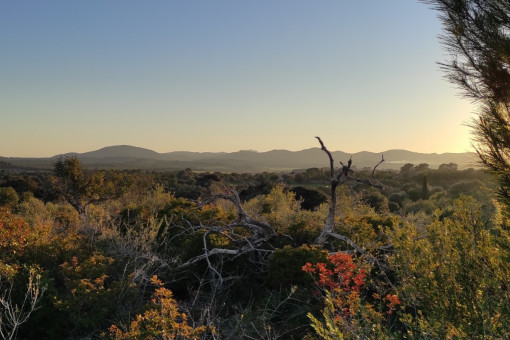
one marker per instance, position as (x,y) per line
(225,76)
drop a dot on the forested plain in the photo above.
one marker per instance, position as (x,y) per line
(418,253)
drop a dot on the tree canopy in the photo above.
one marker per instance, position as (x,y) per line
(477,35)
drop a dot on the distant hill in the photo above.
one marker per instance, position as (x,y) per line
(122,151)
(131,157)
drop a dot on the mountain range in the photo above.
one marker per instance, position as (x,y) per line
(131,157)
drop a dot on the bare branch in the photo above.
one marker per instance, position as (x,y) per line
(375,167)
(331,162)
(261,228)
(341,178)
(13,316)
(367,182)
(261,233)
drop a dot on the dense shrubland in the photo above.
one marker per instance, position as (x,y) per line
(133,255)
(415,254)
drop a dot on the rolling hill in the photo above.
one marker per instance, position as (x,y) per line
(131,157)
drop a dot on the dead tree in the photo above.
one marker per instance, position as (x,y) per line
(343,175)
(259,233)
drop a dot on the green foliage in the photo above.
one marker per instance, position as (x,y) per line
(283,212)
(453,276)
(176,216)
(464,188)
(88,301)
(347,313)
(376,200)
(81,188)
(161,321)
(327,329)
(310,199)
(277,313)
(450,167)
(71,169)
(476,35)
(97,265)
(8,197)
(24,246)
(285,265)
(393,207)
(425,189)
(397,198)
(426,206)
(415,194)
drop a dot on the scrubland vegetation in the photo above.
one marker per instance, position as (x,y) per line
(184,255)
(334,253)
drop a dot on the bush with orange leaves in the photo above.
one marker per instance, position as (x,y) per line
(29,244)
(347,313)
(161,321)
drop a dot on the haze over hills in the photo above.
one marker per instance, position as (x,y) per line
(131,157)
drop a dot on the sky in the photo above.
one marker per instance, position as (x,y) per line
(225,75)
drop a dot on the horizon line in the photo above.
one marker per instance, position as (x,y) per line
(230,152)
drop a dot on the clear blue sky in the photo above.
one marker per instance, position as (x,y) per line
(225,75)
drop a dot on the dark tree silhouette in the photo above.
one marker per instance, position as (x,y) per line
(310,199)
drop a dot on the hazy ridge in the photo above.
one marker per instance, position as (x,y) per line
(131,157)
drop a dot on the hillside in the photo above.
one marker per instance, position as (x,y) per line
(131,157)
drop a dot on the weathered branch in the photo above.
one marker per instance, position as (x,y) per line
(260,228)
(221,251)
(331,162)
(261,233)
(342,177)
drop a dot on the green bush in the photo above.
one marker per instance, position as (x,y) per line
(285,265)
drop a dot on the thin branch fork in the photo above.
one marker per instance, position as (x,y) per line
(335,181)
(328,230)
(13,316)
